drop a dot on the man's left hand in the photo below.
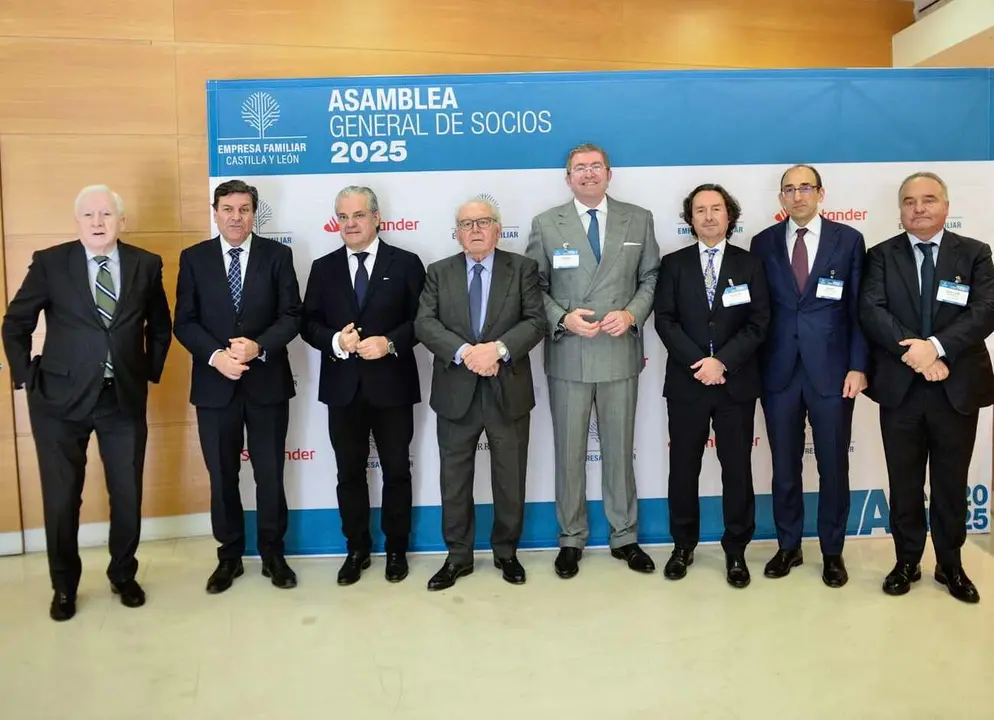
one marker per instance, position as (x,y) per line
(243,350)
(481,359)
(372,348)
(617,322)
(855,384)
(921,354)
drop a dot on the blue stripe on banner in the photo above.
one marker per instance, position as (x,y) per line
(645,118)
(319,531)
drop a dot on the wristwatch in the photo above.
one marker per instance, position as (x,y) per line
(391,348)
(502,351)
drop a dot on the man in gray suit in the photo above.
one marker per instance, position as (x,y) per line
(480,314)
(597,262)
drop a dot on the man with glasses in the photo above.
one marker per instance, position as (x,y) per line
(597,261)
(927,306)
(813,365)
(481,314)
(359,311)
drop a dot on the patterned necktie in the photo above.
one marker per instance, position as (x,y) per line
(710,276)
(799,262)
(594,234)
(235,278)
(928,286)
(361,277)
(106,298)
(476,300)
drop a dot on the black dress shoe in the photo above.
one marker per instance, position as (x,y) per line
(352,568)
(736,571)
(511,569)
(898,581)
(834,573)
(635,556)
(279,573)
(447,576)
(131,593)
(63,607)
(781,563)
(568,562)
(396,567)
(960,586)
(226,572)
(676,566)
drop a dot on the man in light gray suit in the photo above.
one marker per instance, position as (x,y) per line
(480,314)
(597,262)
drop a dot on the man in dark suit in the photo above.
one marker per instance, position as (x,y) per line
(107,334)
(237,308)
(927,307)
(813,363)
(480,314)
(359,312)
(712,311)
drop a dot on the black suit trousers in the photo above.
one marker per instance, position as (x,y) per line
(61,445)
(689,425)
(222,431)
(393,430)
(925,429)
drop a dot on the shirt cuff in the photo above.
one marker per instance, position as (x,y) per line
(210,360)
(938,345)
(262,356)
(337,349)
(458,357)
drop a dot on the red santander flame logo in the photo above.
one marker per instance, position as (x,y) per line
(332,226)
(781,216)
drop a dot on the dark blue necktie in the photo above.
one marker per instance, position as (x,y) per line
(361,277)
(928,286)
(476,300)
(235,278)
(594,234)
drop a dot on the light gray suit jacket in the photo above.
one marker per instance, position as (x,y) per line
(625,279)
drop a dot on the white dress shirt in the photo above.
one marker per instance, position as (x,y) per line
(811,239)
(601,209)
(919,259)
(703,250)
(242,265)
(353,261)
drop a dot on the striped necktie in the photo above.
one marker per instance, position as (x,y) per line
(106,298)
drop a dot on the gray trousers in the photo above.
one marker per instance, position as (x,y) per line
(571,404)
(457,445)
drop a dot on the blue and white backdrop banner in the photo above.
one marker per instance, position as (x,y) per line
(426,144)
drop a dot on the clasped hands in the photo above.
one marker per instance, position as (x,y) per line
(234,359)
(615,323)
(372,348)
(923,358)
(482,359)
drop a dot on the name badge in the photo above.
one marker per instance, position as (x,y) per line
(829,289)
(953,293)
(565,258)
(736,295)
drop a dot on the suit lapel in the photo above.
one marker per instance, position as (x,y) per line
(255,261)
(696,273)
(381,263)
(341,275)
(80,278)
(129,271)
(573,237)
(781,257)
(499,284)
(459,294)
(827,244)
(905,262)
(726,276)
(945,267)
(614,237)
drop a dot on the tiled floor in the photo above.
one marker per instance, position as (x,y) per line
(609,644)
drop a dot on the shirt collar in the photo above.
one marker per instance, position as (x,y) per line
(720,247)
(371,250)
(487,263)
(937,238)
(582,209)
(114,255)
(813,227)
(226,246)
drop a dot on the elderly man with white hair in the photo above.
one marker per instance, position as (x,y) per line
(108,329)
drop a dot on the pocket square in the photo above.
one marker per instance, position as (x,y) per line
(633,244)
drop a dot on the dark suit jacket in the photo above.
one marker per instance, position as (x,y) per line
(515,316)
(270,315)
(687,326)
(824,333)
(389,309)
(66,379)
(890,311)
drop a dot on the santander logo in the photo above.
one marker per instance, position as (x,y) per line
(332,226)
(850,215)
(402,225)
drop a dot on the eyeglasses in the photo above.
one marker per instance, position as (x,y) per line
(803,190)
(482,223)
(592,167)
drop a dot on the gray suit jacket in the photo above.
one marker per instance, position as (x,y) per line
(514,316)
(625,279)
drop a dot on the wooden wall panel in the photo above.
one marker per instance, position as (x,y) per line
(10,500)
(113,91)
(99,19)
(43,174)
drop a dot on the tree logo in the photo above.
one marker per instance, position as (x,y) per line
(261,111)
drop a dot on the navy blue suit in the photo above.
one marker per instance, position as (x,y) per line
(811,345)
